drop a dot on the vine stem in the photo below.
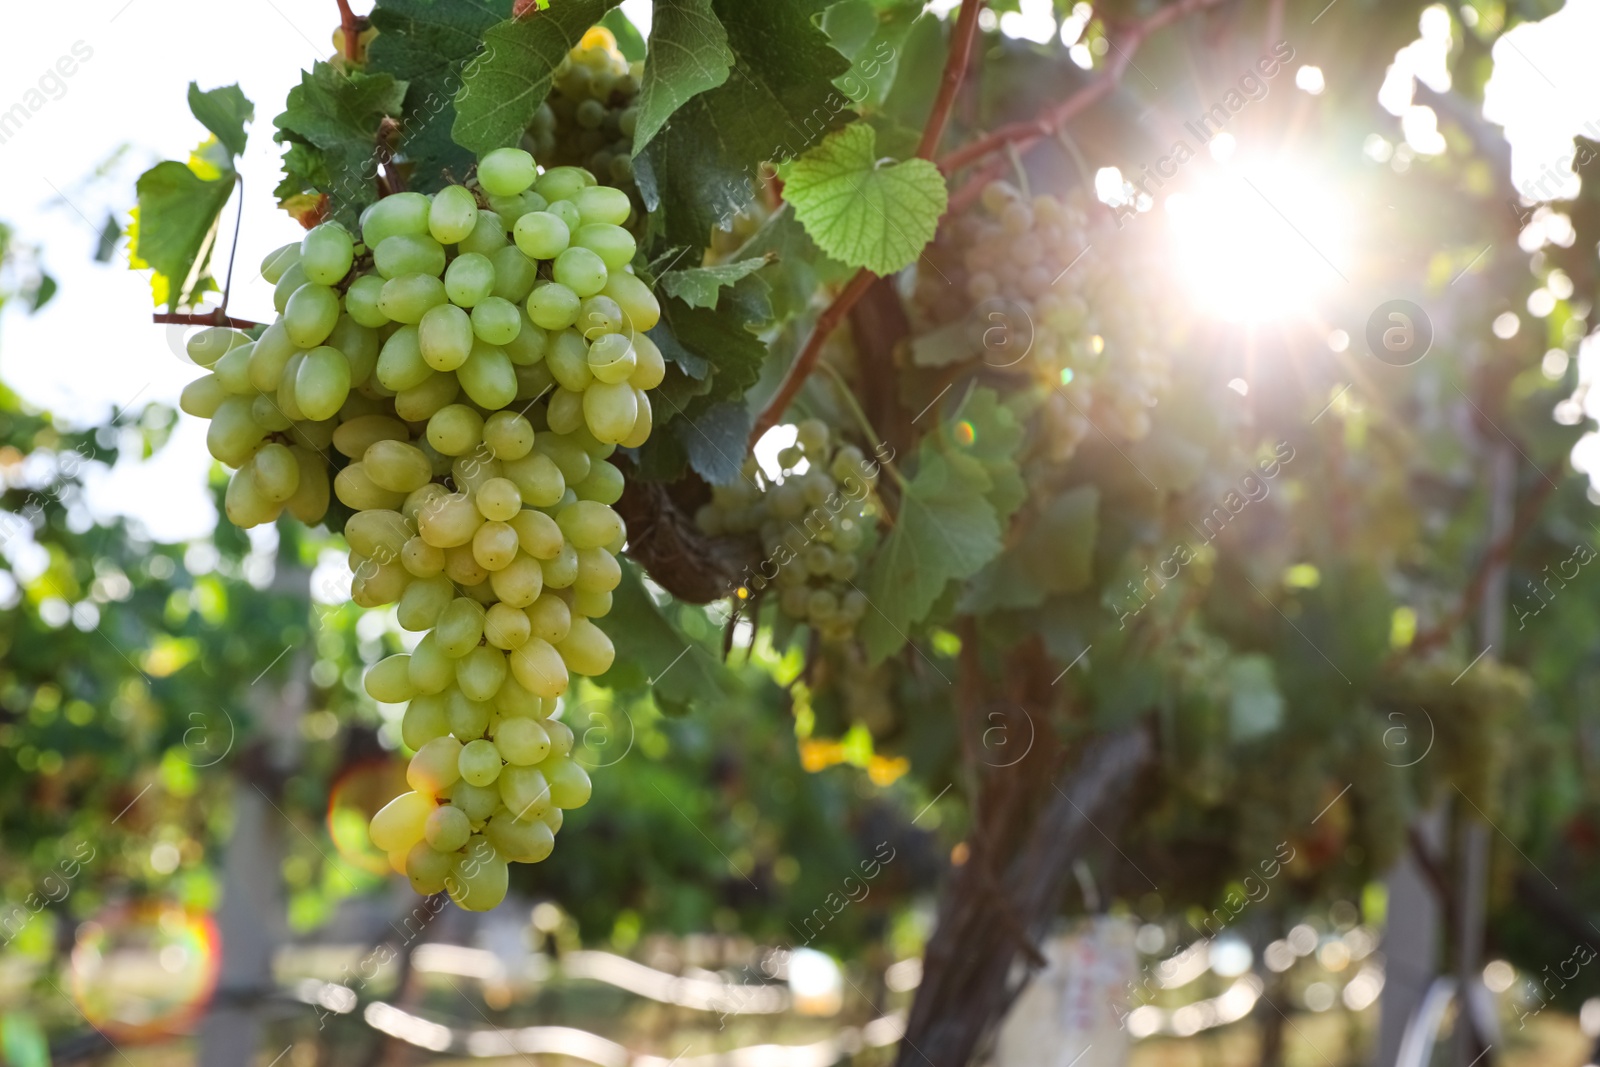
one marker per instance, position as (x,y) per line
(805,362)
(1025,133)
(212,318)
(352,36)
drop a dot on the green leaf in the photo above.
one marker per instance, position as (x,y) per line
(337,115)
(428,44)
(177,225)
(797,266)
(630,42)
(860,212)
(716,441)
(504,86)
(777,102)
(871,33)
(945,530)
(988,434)
(224,112)
(42,292)
(653,653)
(699,286)
(1054,555)
(688,54)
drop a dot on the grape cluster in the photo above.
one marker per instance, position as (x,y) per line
(812,524)
(477,366)
(589,117)
(1041,296)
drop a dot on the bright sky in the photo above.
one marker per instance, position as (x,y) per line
(93,348)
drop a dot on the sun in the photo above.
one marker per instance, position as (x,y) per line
(1257,242)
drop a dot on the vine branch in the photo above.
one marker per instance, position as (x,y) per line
(805,362)
(216,318)
(1045,124)
(351,30)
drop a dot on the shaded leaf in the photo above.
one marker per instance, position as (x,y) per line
(177,225)
(224,112)
(688,54)
(338,116)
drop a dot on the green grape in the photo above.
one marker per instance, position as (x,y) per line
(569,783)
(537,533)
(326,253)
(505,627)
(567,212)
(277,472)
(561,183)
(581,271)
(614,245)
(244,504)
(528,346)
(488,236)
(205,394)
(410,253)
(401,213)
(538,479)
(428,869)
(514,274)
(399,824)
(514,702)
(454,214)
(523,742)
(233,434)
(497,498)
(468,718)
(233,370)
(598,316)
(311,314)
(208,345)
(496,321)
(539,668)
(408,297)
(564,411)
(424,721)
(448,828)
(397,466)
(322,383)
(598,572)
(420,402)
(360,345)
(604,485)
(455,430)
(611,410)
(542,235)
(635,299)
(512,208)
(568,360)
(279,260)
(488,377)
(478,880)
(469,279)
(589,525)
(422,559)
(506,171)
(435,766)
(362,301)
(480,762)
(561,738)
(612,358)
(423,602)
(561,570)
(494,545)
(524,791)
(460,627)
(553,306)
(292,279)
(444,337)
(603,204)
(569,456)
(521,842)
(508,435)
(479,802)
(480,672)
(586,649)
(389,680)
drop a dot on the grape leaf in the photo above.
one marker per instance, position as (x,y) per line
(224,112)
(797,266)
(177,226)
(688,55)
(338,115)
(778,100)
(1053,555)
(988,434)
(945,530)
(629,41)
(870,33)
(716,441)
(428,44)
(860,212)
(699,287)
(654,653)
(504,86)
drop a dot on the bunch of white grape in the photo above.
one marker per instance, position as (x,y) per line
(589,117)
(1034,296)
(812,524)
(476,366)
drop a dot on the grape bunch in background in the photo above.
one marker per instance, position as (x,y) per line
(1027,286)
(460,374)
(589,117)
(813,525)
